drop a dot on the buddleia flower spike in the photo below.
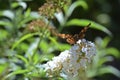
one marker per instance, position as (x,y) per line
(71,61)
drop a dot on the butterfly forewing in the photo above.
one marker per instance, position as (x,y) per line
(82,32)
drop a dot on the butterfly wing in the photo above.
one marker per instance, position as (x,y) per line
(71,39)
(82,32)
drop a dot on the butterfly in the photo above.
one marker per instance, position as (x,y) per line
(72,39)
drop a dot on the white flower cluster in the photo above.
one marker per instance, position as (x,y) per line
(71,61)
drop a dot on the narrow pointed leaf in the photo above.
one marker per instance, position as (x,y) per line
(23,38)
(108,70)
(84,22)
(75,5)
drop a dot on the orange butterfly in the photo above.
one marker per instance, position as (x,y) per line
(72,39)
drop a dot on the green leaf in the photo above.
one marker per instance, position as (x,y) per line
(7,25)
(103,70)
(27,18)
(3,67)
(4,23)
(46,57)
(16,72)
(53,40)
(91,72)
(85,22)
(61,18)
(44,46)
(23,38)
(113,51)
(23,47)
(3,34)
(22,58)
(105,42)
(7,14)
(22,22)
(104,60)
(32,50)
(27,13)
(109,69)
(58,45)
(40,72)
(76,4)
(17,4)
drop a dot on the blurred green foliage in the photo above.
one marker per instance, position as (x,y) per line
(104,55)
(22,52)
